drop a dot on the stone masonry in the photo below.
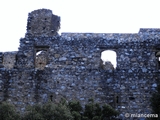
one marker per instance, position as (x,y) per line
(49,66)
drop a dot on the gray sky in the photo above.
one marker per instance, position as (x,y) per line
(97,16)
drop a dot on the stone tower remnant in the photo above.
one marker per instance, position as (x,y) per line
(42,23)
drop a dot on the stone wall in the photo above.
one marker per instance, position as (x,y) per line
(42,23)
(9,59)
(70,66)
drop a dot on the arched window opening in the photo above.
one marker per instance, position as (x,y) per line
(109,59)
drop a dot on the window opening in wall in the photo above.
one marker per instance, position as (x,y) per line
(41,55)
(41,59)
(39,52)
(109,59)
(116,100)
(158,58)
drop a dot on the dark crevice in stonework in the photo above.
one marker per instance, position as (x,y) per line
(105,76)
(6,87)
(131,98)
(29,28)
(117,99)
(51,97)
(38,80)
(157,55)
(1,60)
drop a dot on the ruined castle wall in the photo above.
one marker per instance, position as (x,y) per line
(48,67)
(74,71)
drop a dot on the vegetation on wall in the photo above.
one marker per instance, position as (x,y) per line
(60,111)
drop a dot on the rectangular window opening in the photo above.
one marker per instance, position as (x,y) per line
(41,57)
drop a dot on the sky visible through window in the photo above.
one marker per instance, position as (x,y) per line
(109,56)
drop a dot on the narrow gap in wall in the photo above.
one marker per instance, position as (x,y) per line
(131,98)
(29,28)
(109,58)
(51,97)
(117,99)
(157,54)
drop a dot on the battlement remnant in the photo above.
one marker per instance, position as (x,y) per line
(42,23)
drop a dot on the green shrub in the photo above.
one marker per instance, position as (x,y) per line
(49,111)
(85,118)
(96,118)
(75,106)
(60,111)
(92,110)
(76,109)
(108,112)
(155,102)
(76,115)
(8,112)
(34,113)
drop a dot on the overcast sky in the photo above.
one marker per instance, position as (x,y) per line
(97,16)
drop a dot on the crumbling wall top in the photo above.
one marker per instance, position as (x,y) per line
(42,22)
(149,30)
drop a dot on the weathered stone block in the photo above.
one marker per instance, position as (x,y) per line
(9,59)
